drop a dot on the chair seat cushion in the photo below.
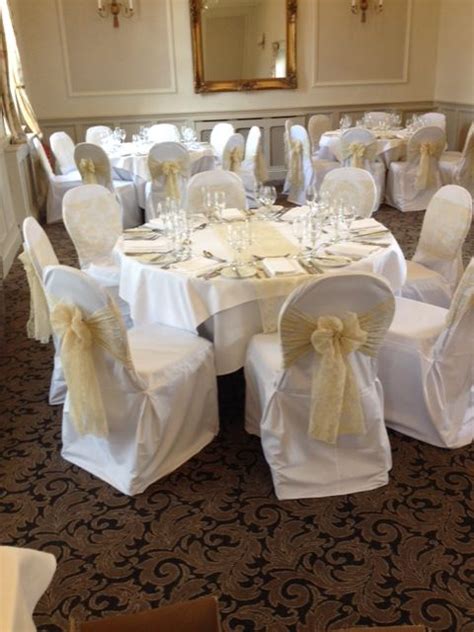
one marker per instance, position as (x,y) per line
(450,156)
(104,271)
(425,285)
(414,321)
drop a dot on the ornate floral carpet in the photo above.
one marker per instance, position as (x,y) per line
(402,554)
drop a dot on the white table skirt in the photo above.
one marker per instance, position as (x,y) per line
(388,149)
(228,312)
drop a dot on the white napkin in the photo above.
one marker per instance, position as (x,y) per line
(368,222)
(196,266)
(280,266)
(230,214)
(135,246)
(352,250)
(156,222)
(293,213)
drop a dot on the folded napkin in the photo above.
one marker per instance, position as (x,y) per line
(281,266)
(196,266)
(156,222)
(293,213)
(352,250)
(136,246)
(230,214)
(368,222)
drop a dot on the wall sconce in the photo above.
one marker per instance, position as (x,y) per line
(115,8)
(362,6)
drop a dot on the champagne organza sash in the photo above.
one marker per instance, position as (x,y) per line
(79,336)
(464,175)
(358,153)
(463,298)
(91,171)
(427,155)
(296,163)
(261,173)
(335,403)
(233,159)
(170,170)
(38,326)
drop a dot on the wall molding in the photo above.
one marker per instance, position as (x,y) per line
(360,82)
(88,93)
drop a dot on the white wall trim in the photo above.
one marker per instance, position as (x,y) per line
(88,93)
(360,82)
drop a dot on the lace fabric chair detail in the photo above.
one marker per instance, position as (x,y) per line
(286,147)
(358,148)
(300,165)
(140,403)
(356,186)
(217,180)
(169,167)
(220,134)
(318,124)
(97,133)
(458,167)
(312,390)
(254,157)
(163,132)
(62,147)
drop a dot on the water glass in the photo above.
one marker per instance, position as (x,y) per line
(311,197)
(220,202)
(312,234)
(298,226)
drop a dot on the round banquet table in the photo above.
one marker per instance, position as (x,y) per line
(230,311)
(391,146)
(129,163)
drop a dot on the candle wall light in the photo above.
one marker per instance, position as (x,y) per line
(362,6)
(115,8)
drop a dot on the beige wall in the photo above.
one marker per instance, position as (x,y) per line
(455,62)
(46,32)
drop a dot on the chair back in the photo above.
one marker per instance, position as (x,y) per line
(93,165)
(163,132)
(216,180)
(169,166)
(93,220)
(435,119)
(445,227)
(300,169)
(43,158)
(358,148)
(318,124)
(464,171)
(219,136)
(97,134)
(330,331)
(233,153)
(39,247)
(424,150)
(254,154)
(356,186)
(62,147)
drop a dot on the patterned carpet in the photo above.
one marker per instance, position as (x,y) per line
(402,554)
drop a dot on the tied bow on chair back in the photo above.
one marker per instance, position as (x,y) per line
(79,335)
(260,171)
(91,171)
(38,326)
(171,170)
(427,154)
(296,163)
(233,159)
(464,174)
(358,153)
(335,403)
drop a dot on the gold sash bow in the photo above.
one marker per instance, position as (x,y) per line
(89,171)
(296,163)
(335,401)
(359,153)
(38,326)
(234,159)
(428,154)
(261,173)
(78,337)
(170,169)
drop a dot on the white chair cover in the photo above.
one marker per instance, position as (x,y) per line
(359,149)
(94,166)
(169,166)
(318,124)
(426,368)
(216,180)
(25,574)
(57,185)
(355,185)
(62,147)
(151,397)
(458,167)
(254,169)
(281,402)
(300,165)
(219,136)
(286,146)
(233,154)
(412,184)
(97,133)
(163,132)
(435,119)
(39,254)
(436,268)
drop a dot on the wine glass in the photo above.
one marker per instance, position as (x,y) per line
(220,202)
(267,196)
(312,234)
(311,197)
(239,237)
(298,226)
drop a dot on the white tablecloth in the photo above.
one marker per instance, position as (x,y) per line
(128,164)
(228,311)
(391,146)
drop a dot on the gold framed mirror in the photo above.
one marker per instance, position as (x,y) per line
(243,44)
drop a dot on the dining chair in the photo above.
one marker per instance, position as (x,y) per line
(318,124)
(163,132)
(94,166)
(169,166)
(426,369)
(97,133)
(312,392)
(38,254)
(139,403)
(458,167)
(216,180)
(58,185)
(300,166)
(436,267)
(356,186)
(254,156)
(412,183)
(62,147)
(286,148)
(435,119)
(219,136)
(233,160)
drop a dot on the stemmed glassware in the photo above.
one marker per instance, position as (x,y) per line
(298,227)
(213,202)
(312,234)
(239,237)
(267,197)
(345,122)
(311,197)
